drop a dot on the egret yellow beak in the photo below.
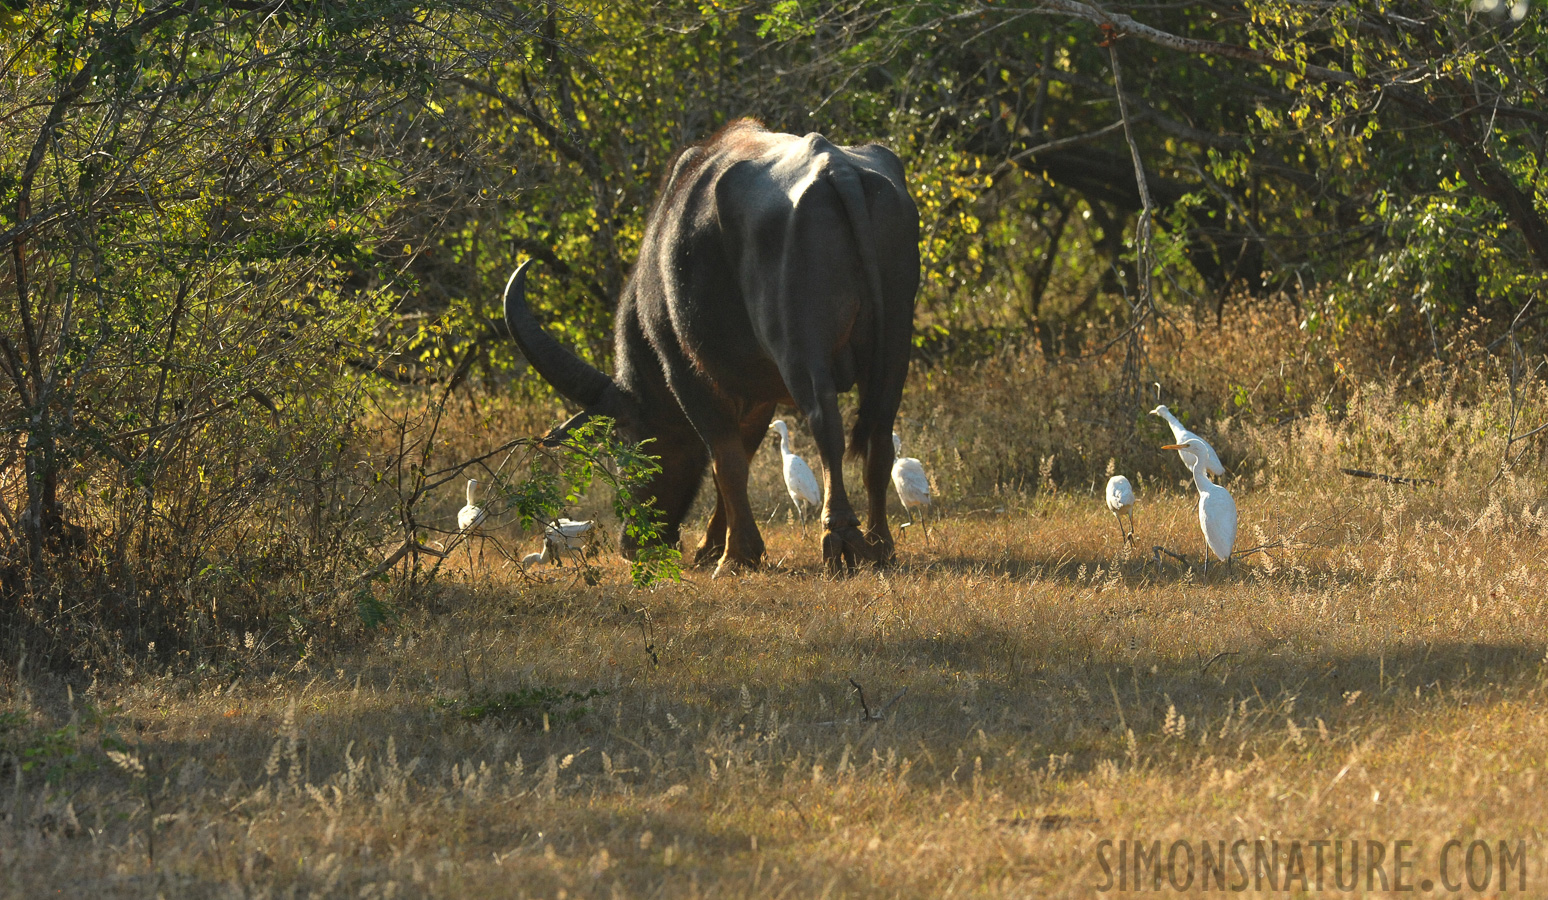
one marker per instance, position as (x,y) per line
(1174,447)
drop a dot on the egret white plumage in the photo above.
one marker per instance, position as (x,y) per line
(805,493)
(470,521)
(1181,435)
(568,534)
(1217,511)
(1120,499)
(560,536)
(908,476)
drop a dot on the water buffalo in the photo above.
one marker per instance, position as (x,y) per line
(774,269)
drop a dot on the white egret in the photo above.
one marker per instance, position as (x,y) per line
(1120,499)
(565,536)
(1181,435)
(908,476)
(470,521)
(1217,511)
(799,480)
(560,537)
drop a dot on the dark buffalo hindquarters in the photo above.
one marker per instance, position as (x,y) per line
(774,268)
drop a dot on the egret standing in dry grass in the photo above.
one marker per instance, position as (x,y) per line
(1181,435)
(470,522)
(560,537)
(799,480)
(913,485)
(1120,499)
(1217,511)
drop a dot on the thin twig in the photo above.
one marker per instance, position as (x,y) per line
(1516,374)
(800,815)
(1144,307)
(1521,437)
(396,556)
(648,635)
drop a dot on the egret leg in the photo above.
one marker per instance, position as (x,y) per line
(1131,526)
(1118,520)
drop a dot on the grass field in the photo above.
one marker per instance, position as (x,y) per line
(1037,689)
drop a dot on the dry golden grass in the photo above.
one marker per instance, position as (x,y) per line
(1377,674)
(1380,678)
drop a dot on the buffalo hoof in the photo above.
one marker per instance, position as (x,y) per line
(880,549)
(730,566)
(845,548)
(708,554)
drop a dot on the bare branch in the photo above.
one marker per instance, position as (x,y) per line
(1121,25)
(576,154)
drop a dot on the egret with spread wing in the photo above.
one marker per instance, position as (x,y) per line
(1181,435)
(560,537)
(1217,511)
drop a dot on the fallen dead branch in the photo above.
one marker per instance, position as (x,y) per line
(1213,659)
(1390,479)
(865,709)
(1261,548)
(866,715)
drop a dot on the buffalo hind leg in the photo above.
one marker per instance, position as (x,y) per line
(878,480)
(754,428)
(881,393)
(713,547)
(744,545)
(720,427)
(843,546)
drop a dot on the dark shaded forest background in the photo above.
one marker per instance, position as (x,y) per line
(253,250)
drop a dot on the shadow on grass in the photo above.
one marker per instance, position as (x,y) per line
(1136,568)
(1070,688)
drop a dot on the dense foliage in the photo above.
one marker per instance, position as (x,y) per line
(245,244)
(1388,152)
